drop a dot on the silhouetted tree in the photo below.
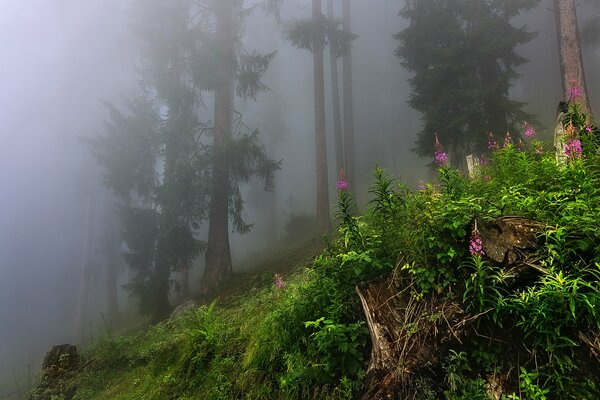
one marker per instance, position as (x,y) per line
(463,57)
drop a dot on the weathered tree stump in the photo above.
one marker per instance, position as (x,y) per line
(409,334)
(507,239)
(406,334)
(58,360)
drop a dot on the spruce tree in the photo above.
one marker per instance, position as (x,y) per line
(462,53)
(172,170)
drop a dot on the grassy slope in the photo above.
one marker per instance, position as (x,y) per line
(308,340)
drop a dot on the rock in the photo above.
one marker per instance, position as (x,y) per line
(183,307)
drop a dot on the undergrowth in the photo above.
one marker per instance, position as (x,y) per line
(305,337)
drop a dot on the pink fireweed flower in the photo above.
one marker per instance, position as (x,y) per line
(492,144)
(573,148)
(589,129)
(422,186)
(483,161)
(475,244)
(538,150)
(529,131)
(342,183)
(507,140)
(279,282)
(521,145)
(441,158)
(574,91)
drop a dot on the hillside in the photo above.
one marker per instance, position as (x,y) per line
(472,288)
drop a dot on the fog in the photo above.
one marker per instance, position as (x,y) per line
(61,59)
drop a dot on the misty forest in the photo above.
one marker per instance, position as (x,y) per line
(299,199)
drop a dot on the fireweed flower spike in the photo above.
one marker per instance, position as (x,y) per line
(441,158)
(279,282)
(573,148)
(342,183)
(529,131)
(492,144)
(507,139)
(475,244)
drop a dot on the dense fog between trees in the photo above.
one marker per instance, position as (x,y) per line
(62,59)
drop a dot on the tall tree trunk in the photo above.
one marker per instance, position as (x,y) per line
(112,264)
(86,262)
(569,49)
(335,94)
(218,257)
(323,220)
(348,101)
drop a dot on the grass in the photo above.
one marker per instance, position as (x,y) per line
(308,339)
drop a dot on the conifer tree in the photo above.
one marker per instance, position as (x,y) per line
(462,53)
(171,170)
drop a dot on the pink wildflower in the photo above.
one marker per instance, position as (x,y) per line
(483,161)
(589,129)
(492,144)
(538,150)
(422,186)
(279,282)
(573,148)
(507,140)
(475,244)
(342,183)
(441,158)
(521,145)
(529,131)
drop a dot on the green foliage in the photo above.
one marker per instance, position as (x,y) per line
(482,285)
(308,339)
(460,386)
(339,346)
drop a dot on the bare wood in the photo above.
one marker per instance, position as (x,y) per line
(473,166)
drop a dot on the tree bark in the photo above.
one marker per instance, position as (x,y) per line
(112,263)
(569,49)
(323,219)
(348,102)
(218,257)
(335,94)
(86,262)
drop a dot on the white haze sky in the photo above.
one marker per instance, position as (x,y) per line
(58,58)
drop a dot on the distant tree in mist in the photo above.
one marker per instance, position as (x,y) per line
(462,53)
(315,34)
(349,158)
(171,170)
